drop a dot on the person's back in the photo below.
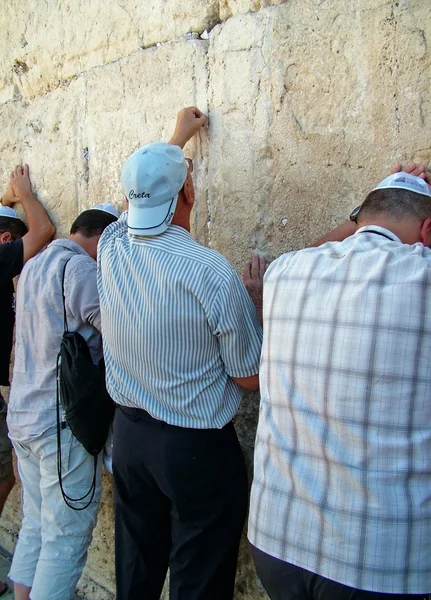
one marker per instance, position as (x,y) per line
(343,451)
(168,303)
(353,341)
(40,328)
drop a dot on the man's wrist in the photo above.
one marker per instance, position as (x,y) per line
(26,196)
(177,140)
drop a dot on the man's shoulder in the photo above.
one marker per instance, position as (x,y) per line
(11,261)
(12,251)
(59,255)
(212,259)
(114,230)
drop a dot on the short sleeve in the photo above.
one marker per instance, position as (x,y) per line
(11,260)
(81,294)
(237,328)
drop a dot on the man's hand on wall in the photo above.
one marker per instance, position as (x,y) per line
(189,121)
(252,276)
(20,182)
(419,170)
(9,198)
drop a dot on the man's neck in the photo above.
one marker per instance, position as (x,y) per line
(85,243)
(181,221)
(406,231)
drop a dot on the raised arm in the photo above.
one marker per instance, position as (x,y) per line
(40,228)
(189,121)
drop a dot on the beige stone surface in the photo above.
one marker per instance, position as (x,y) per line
(60,39)
(45,134)
(310,103)
(134,102)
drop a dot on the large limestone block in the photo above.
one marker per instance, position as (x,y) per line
(310,104)
(45,134)
(134,102)
(45,43)
(77,138)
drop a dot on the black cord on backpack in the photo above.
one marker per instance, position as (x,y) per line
(92,490)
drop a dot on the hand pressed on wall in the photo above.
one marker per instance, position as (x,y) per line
(419,170)
(252,276)
(189,121)
(9,198)
(20,182)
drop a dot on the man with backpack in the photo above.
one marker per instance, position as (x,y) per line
(54,538)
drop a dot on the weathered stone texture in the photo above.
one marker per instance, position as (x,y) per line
(44,133)
(310,103)
(60,39)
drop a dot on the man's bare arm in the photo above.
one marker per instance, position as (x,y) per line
(249,383)
(338,234)
(40,229)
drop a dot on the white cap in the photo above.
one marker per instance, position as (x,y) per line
(152,178)
(7,211)
(106,207)
(405,181)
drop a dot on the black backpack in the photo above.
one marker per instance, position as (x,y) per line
(87,406)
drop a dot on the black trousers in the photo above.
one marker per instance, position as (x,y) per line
(181,501)
(284,581)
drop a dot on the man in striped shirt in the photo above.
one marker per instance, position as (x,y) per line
(181,337)
(341,497)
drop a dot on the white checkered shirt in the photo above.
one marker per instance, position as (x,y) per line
(342,482)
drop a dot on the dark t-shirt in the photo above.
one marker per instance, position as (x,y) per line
(11,263)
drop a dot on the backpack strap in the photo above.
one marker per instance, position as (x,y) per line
(65,327)
(62,424)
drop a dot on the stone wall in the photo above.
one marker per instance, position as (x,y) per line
(310,102)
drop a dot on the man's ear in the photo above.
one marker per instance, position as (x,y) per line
(425,233)
(5,237)
(189,191)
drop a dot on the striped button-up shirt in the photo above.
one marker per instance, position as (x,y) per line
(342,482)
(177,324)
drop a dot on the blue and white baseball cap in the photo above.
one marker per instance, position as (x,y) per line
(152,178)
(7,211)
(405,181)
(106,207)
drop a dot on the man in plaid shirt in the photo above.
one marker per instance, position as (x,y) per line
(341,498)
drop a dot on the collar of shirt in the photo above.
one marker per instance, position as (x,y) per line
(69,245)
(381,230)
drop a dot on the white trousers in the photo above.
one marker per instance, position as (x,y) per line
(54,539)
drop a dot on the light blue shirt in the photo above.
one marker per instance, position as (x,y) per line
(39,329)
(177,324)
